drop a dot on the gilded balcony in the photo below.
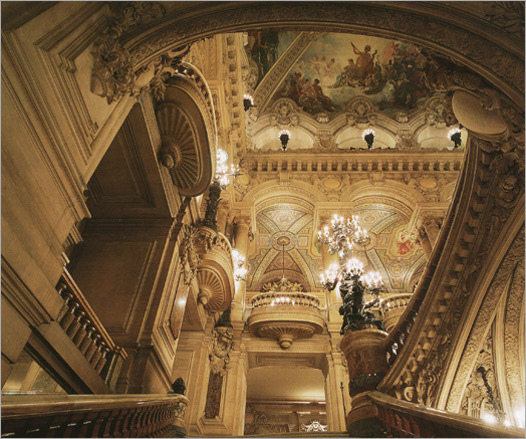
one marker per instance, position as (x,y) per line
(285,316)
(392,307)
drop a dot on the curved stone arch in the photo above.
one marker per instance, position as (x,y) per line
(398,194)
(429,26)
(302,190)
(189,135)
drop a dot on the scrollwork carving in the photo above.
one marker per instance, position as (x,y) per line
(222,344)
(361,113)
(285,113)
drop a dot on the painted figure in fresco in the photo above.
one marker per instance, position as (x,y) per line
(364,62)
(264,50)
(406,242)
(397,76)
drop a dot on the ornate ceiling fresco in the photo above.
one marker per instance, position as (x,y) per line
(285,231)
(392,249)
(339,67)
(326,88)
(265,47)
(334,68)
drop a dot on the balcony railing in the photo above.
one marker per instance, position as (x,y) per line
(86,331)
(392,307)
(285,299)
(285,316)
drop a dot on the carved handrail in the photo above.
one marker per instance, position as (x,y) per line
(86,331)
(274,298)
(52,415)
(406,419)
(400,333)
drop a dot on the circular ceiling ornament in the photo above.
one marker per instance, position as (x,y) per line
(283,240)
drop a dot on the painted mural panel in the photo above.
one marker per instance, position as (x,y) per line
(338,67)
(265,47)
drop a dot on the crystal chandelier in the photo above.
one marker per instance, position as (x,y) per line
(341,238)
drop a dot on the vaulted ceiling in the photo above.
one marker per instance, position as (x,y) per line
(326,89)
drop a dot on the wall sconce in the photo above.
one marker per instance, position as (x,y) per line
(284,137)
(248,102)
(368,136)
(455,135)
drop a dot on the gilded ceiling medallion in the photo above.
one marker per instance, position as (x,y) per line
(283,240)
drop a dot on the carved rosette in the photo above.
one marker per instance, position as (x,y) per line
(215,272)
(285,316)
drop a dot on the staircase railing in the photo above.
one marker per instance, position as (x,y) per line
(86,331)
(406,419)
(46,415)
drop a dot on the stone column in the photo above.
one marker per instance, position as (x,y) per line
(235,398)
(367,365)
(338,402)
(240,244)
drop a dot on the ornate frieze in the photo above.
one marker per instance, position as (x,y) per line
(361,113)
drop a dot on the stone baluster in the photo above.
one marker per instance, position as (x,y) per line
(103,358)
(98,353)
(76,324)
(70,315)
(93,347)
(82,332)
(88,340)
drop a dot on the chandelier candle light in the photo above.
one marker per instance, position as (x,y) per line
(221,181)
(349,274)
